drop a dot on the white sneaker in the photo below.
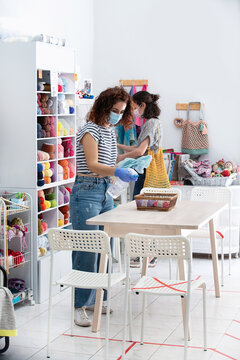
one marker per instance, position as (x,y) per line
(104,309)
(81,318)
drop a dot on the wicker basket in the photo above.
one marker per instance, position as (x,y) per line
(215,181)
(156,201)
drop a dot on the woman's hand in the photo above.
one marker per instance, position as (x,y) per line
(120,158)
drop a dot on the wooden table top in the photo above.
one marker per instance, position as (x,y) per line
(185,215)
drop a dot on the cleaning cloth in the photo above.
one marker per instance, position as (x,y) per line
(138,164)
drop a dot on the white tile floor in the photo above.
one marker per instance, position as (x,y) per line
(163,334)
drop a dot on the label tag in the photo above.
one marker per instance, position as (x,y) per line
(75,77)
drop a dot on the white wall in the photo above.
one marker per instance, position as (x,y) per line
(71,19)
(189,50)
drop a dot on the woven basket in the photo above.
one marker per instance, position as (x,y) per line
(156,201)
(215,181)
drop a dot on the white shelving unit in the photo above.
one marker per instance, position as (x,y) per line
(19,143)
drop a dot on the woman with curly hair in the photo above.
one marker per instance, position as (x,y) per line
(96,157)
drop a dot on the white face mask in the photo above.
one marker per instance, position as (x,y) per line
(136,113)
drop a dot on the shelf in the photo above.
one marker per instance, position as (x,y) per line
(47,114)
(63,226)
(44,211)
(66,114)
(63,204)
(47,138)
(46,161)
(59,227)
(43,92)
(66,136)
(20,296)
(21,264)
(63,182)
(66,93)
(47,186)
(66,158)
(85,101)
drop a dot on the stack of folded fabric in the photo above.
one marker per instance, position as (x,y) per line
(203,168)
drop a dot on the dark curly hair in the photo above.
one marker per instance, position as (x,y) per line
(152,109)
(104,102)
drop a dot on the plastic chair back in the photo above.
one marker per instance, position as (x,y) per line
(157,246)
(77,240)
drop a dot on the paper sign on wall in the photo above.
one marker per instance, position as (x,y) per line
(54,82)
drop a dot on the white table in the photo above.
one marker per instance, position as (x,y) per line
(184,218)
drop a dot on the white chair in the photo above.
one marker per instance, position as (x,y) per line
(215,194)
(164,191)
(177,247)
(89,241)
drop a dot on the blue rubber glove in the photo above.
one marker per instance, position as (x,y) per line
(125,174)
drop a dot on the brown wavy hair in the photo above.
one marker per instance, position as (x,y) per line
(104,102)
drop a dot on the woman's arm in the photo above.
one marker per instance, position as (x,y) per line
(136,152)
(90,148)
(125,147)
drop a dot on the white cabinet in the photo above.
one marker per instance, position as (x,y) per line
(201,245)
(23,66)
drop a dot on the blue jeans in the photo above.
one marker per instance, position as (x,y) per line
(88,198)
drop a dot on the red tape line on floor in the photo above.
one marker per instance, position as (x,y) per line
(232,336)
(219,352)
(165,285)
(152,343)
(128,349)
(237,321)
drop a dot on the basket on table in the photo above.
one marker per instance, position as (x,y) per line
(156,201)
(210,181)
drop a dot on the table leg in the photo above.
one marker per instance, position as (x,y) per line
(99,294)
(214,257)
(144,265)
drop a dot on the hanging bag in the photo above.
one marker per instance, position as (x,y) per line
(195,134)
(156,173)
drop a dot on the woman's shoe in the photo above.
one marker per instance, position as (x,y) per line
(104,309)
(81,318)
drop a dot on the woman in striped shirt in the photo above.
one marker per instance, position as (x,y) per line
(96,161)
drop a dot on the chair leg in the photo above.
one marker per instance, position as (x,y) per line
(222,263)
(108,324)
(170,268)
(143,317)
(126,295)
(204,318)
(119,255)
(72,309)
(49,321)
(130,314)
(186,326)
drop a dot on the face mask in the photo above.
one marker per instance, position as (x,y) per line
(136,113)
(114,118)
